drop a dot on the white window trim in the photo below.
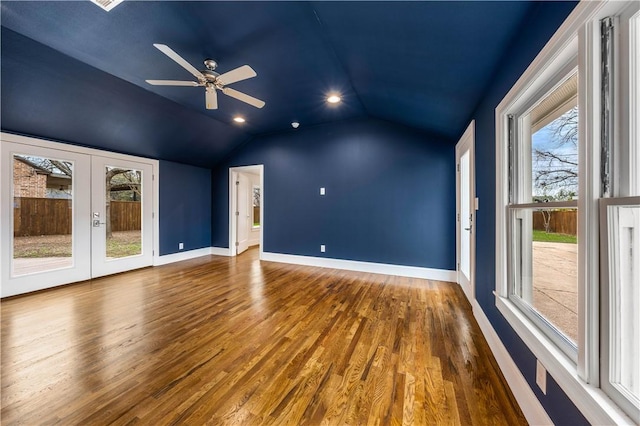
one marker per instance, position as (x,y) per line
(634,107)
(580,382)
(608,276)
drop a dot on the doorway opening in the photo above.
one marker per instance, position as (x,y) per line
(246,208)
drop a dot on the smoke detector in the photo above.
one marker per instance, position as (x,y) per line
(295,124)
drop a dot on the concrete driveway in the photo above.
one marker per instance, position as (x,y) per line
(555,288)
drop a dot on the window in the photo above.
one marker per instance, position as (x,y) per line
(621,298)
(256,206)
(544,172)
(620,234)
(567,275)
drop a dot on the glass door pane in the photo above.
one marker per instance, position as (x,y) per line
(123,208)
(42,214)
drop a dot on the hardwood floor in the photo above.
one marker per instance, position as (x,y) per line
(238,341)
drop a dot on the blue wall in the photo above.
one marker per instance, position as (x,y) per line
(390,194)
(185,207)
(541,25)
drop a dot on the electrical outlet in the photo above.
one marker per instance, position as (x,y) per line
(322,248)
(541,376)
(322,191)
(180,246)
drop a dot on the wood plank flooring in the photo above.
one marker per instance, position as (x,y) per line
(219,340)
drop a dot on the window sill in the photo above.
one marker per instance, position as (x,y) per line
(591,401)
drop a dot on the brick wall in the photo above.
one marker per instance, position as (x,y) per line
(27,182)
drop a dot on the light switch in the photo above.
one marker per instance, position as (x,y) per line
(322,248)
(322,191)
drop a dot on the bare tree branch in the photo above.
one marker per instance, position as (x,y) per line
(555,167)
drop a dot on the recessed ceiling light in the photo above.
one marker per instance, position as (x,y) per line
(333,99)
(239,119)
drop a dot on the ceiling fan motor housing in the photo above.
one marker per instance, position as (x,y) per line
(210,64)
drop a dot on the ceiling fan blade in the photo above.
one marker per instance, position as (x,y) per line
(211,98)
(241,73)
(180,60)
(172,83)
(243,97)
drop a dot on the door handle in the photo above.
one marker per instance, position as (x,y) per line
(97,223)
(467,229)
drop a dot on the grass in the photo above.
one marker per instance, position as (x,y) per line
(122,244)
(42,246)
(43,251)
(117,247)
(554,238)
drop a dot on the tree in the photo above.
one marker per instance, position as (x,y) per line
(555,165)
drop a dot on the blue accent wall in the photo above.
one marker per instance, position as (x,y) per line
(390,193)
(185,207)
(539,28)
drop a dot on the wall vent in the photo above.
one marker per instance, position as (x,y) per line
(107,4)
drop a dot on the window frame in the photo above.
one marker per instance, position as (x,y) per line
(579,379)
(520,180)
(616,393)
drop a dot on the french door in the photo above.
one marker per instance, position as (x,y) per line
(121,215)
(70,214)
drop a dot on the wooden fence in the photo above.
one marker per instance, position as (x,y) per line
(52,216)
(560,222)
(126,216)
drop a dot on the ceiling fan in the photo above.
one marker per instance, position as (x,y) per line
(210,79)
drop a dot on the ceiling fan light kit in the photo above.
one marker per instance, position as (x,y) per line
(333,99)
(210,79)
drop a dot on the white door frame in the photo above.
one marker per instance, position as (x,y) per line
(467,143)
(233,223)
(7,214)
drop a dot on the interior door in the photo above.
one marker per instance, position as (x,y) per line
(121,215)
(243,184)
(465,214)
(45,217)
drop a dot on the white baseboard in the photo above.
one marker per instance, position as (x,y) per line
(220,251)
(183,255)
(529,403)
(353,265)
